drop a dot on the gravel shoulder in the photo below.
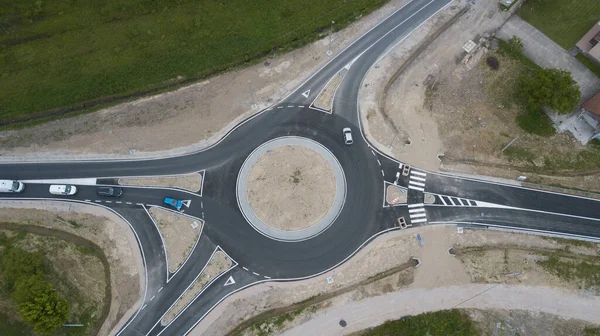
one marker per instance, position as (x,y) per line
(105,229)
(218,264)
(178,234)
(190,182)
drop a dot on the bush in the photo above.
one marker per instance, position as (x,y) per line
(536,122)
(549,87)
(493,62)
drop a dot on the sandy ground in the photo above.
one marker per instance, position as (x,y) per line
(325,99)
(104,228)
(395,194)
(191,182)
(218,264)
(291,188)
(438,270)
(184,120)
(178,234)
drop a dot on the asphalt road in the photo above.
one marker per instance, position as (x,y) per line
(364,215)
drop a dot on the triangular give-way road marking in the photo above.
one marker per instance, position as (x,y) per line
(229,281)
(306,93)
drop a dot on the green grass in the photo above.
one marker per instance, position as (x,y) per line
(11,327)
(586,273)
(565,22)
(593,66)
(591,331)
(57,55)
(442,323)
(536,122)
(519,154)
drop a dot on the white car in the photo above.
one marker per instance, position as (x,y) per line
(63,189)
(347,132)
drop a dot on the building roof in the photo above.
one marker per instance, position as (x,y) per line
(586,43)
(593,105)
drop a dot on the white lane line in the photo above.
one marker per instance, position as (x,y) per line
(418,173)
(442,199)
(119,202)
(279,107)
(203,215)
(373,153)
(144,307)
(415,188)
(451,201)
(417,178)
(139,203)
(290,105)
(416,205)
(418,220)
(379,162)
(202,204)
(416,210)
(245,268)
(88,200)
(108,201)
(300,106)
(417,215)
(128,203)
(460,201)
(160,289)
(152,298)
(255,273)
(382,173)
(419,184)
(98,201)
(269,109)
(267,277)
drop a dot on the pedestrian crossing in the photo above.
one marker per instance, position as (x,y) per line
(417,180)
(417,214)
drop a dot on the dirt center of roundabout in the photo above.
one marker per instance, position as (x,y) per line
(291,187)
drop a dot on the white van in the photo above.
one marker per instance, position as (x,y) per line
(11,186)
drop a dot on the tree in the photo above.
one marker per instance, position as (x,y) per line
(28,288)
(46,312)
(554,88)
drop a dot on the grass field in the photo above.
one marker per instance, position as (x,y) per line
(69,54)
(563,21)
(440,323)
(595,68)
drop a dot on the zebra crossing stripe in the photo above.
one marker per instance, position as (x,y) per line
(417,183)
(416,205)
(416,210)
(418,220)
(418,215)
(418,173)
(417,178)
(415,188)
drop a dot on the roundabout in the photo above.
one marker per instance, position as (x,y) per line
(300,204)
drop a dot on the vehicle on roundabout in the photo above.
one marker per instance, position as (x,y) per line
(57,189)
(347,132)
(174,203)
(11,186)
(109,191)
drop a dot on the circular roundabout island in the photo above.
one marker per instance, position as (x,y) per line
(291,189)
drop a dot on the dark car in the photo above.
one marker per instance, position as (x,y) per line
(109,191)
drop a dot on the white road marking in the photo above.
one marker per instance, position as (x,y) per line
(416,210)
(203,215)
(379,162)
(229,281)
(139,203)
(88,200)
(417,183)
(152,298)
(418,220)
(108,201)
(382,173)
(118,202)
(98,201)
(400,166)
(306,93)
(418,173)
(290,105)
(460,201)
(373,153)
(442,199)
(187,203)
(160,289)
(416,205)
(255,273)
(269,109)
(144,307)
(301,106)
(245,268)
(279,107)
(128,202)
(267,277)
(417,215)
(415,188)
(417,178)
(451,201)
(202,204)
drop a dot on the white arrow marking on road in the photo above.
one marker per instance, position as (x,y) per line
(187,203)
(229,281)
(306,93)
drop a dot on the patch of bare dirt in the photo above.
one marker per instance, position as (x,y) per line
(103,228)
(395,194)
(178,233)
(218,264)
(190,118)
(191,182)
(291,187)
(325,99)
